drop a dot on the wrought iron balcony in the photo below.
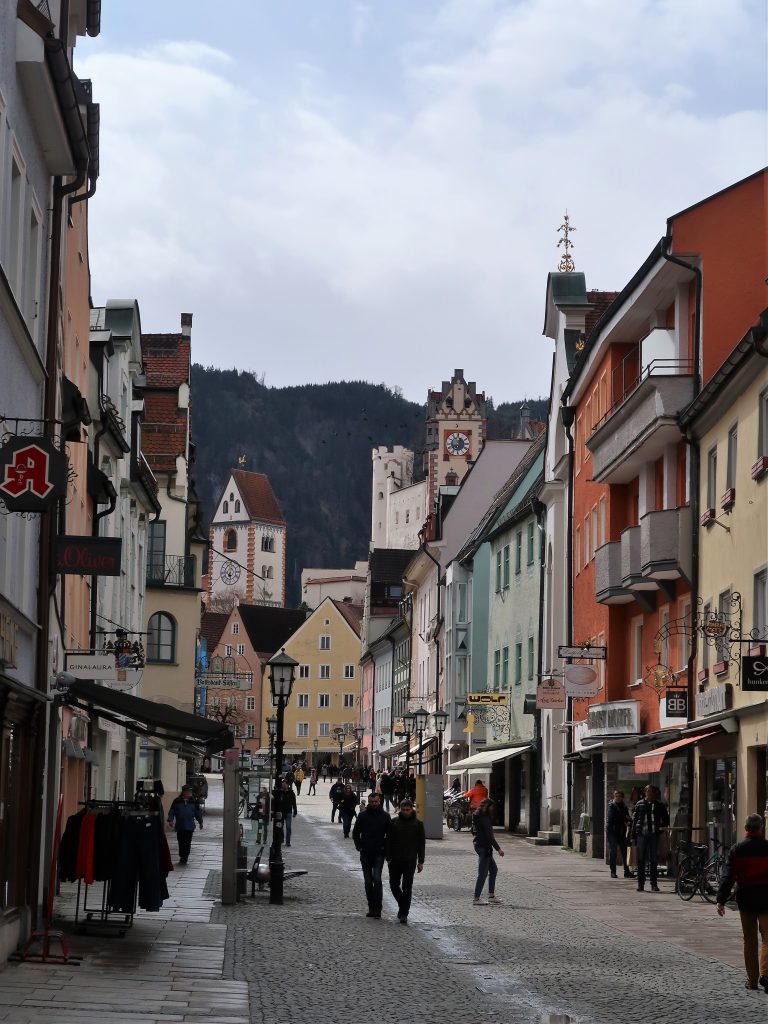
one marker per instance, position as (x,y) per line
(177,571)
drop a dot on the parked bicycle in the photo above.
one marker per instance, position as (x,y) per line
(699,871)
(458,814)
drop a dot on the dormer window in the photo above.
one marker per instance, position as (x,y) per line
(230,543)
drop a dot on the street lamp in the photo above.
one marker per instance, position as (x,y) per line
(441,724)
(409,724)
(340,738)
(271,732)
(359,733)
(282,669)
(422,717)
(315,744)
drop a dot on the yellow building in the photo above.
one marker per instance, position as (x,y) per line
(729,422)
(326,690)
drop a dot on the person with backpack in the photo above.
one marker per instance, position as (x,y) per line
(485,843)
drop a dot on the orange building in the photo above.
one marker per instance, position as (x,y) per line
(633,537)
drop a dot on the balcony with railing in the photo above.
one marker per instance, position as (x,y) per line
(176,571)
(649,387)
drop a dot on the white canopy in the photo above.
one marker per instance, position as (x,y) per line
(485,760)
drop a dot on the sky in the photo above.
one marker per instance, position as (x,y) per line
(348,190)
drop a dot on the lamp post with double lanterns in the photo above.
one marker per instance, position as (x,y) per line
(282,669)
(422,718)
(409,724)
(441,724)
(359,733)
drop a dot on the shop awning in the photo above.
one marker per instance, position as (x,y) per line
(485,760)
(149,717)
(652,760)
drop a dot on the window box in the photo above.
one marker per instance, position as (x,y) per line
(728,499)
(760,468)
(707,517)
(720,668)
(758,651)
(703,676)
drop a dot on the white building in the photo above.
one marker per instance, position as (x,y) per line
(398,505)
(339,584)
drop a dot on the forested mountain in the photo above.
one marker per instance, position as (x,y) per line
(314,442)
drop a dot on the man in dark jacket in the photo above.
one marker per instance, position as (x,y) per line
(651,816)
(290,810)
(183,814)
(616,832)
(370,839)
(406,843)
(336,792)
(748,870)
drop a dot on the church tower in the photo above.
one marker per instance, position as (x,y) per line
(456,428)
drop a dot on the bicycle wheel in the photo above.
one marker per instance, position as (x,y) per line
(711,878)
(687,879)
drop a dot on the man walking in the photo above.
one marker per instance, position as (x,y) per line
(651,816)
(370,839)
(312,783)
(183,814)
(336,792)
(406,843)
(748,870)
(298,777)
(289,811)
(616,832)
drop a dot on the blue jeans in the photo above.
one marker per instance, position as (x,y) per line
(346,820)
(616,843)
(486,868)
(374,891)
(647,857)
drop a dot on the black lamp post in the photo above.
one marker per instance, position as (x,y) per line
(315,744)
(282,669)
(409,724)
(441,724)
(340,739)
(359,733)
(422,717)
(271,733)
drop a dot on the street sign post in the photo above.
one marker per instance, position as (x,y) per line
(591,653)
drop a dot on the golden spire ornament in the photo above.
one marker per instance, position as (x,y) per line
(566,264)
(241,460)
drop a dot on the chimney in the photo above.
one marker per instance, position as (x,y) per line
(186,325)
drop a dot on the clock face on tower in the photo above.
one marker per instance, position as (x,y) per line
(230,573)
(457,443)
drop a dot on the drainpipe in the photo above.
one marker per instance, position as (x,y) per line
(540,511)
(568,415)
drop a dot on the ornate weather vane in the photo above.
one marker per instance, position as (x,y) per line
(566,264)
(241,460)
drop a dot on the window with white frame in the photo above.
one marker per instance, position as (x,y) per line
(762,424)
(241,649)
(531,649)
(730,469)
(323,700)
(303,671)
(498,571)
(462,676)
(15,228)
(250,730)
(760,603)
(325,671)
(506,565)
(324,729)
(577,553)
(602,520)
(461,603)
(637,649)
(496,668)
(302,730)
(32,263)
(586,542)
(712,477)
(228,649)
(250,703)
(595,535)
(302,699)
(349,671)
(349,700)
(325,642)
(235,628)
(233,703)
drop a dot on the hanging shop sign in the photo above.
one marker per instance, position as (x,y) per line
(754,673)
(33,474)
(98,667)
(676,703)
(615,718)
(550,695)
(593,653)
(486,698)
(89,556)
(712,702)
(581,681)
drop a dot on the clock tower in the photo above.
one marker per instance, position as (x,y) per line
(456,427)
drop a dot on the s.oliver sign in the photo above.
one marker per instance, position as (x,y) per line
(89,556)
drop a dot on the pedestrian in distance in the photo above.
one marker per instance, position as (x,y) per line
(335,793)
(485,843)
(298,777)
(324,770)
(747,869)
(348,808)
(289,811)
(312,783)
(387,786)
(184,812)
(477,794)
(370,838)
(650,818)
(616,823)
(372,780)
(406,844)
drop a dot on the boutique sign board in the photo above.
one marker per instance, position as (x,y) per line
(99,667)
(714,701)
(617,718)
(89,556)
(754,674)
(486,699)
(550,694)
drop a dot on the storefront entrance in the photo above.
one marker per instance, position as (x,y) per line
(721,799)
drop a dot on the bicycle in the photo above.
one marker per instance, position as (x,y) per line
(700,872)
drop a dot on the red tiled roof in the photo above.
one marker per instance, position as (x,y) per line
(212,625)
(162,407)
(167,359)
(353,613)
(260,501)
(600,301)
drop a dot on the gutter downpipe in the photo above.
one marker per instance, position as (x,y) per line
(540,511)
(568,415)
(695,483)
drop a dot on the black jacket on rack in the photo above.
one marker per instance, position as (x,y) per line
(70,841)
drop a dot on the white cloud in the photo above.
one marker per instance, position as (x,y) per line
(313,243)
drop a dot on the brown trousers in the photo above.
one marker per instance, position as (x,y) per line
(751,921)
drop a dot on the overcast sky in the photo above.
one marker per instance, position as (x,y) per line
(371,190)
